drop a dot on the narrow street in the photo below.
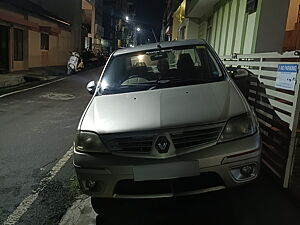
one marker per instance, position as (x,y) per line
(37,129)
(198,98)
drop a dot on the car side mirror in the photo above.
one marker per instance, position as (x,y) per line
(240,73)
(91,87)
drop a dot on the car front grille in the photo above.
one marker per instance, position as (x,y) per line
(191,138)
(182,138)
(137,144)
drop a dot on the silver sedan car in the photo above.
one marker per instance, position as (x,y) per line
(165,120)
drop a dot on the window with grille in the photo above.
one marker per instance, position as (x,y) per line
(44,41)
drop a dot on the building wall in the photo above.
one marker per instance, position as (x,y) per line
(35,55)
(69,10)
(234,30)
(58,53)
(292,34)
(271,27)
(192,29)
(60,44)
(293,14)
(203,30)
(175,26)
(178,18)
(231,32)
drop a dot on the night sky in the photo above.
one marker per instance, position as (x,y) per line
(150,12)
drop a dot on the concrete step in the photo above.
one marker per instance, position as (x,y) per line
(8,80)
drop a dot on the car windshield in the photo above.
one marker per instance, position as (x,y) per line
(157,69)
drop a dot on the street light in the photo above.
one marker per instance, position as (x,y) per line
(138,29)
(127,18)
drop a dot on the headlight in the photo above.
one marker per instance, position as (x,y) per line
(89,142)
(238,127)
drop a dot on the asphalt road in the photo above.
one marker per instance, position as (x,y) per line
(37,128)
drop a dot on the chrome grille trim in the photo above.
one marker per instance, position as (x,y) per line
(192,138)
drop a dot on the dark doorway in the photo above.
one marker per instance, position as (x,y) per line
(4,49)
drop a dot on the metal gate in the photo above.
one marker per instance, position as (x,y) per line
(277,109)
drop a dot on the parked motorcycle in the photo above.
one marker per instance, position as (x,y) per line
(75,63)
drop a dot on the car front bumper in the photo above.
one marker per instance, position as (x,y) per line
(209,169)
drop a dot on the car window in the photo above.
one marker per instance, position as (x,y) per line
(163,68)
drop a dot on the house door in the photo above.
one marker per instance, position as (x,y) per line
(4,50)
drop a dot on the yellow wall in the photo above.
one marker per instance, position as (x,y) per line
(59,45)
(178,18)
(58,53)
(34,51)
(19,65)
(293,14)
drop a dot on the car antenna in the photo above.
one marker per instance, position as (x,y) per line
(154,34)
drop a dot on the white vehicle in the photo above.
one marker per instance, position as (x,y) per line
(158,128)
(75,63)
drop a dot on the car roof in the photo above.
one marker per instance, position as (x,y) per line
(157,46)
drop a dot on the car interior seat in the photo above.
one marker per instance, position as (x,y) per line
(139,69)
(163,68)
(185,65)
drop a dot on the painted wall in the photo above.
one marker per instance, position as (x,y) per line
(271,26)
(192,29)
(202,34)
(178,18)
(69,10)
(59,45)
(240,27)
(233,30)
(58,53)
(250,33)
(175,27)
(236,31)
(293,14)
(231,27)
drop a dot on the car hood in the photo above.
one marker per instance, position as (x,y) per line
(163,108)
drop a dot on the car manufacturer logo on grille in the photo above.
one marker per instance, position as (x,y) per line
(162,144)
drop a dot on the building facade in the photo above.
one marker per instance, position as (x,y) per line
(32,37)
(292,34)
(232,26)
(69,11)
(118,25)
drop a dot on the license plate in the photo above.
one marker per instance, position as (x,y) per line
(166,171)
